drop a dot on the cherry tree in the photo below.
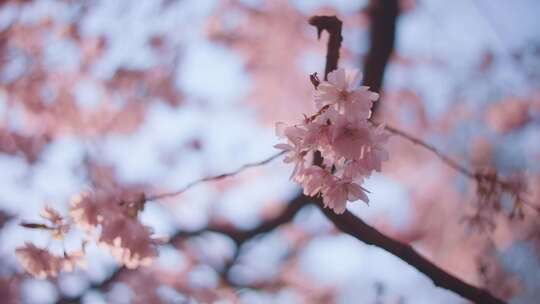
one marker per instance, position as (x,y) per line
(160,205)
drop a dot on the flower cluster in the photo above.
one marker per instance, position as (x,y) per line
(109,218)
(129,241)
(492,191)
(58,224)
(340,133)
(42,264)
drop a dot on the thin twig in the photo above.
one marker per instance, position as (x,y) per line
(415,140)
(477,177)
(213,178)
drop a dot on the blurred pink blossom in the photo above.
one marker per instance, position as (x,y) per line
(508,115)
(129,241)
(38,262)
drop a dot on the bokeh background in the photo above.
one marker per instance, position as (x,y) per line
(154,94)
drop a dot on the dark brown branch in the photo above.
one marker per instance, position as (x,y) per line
(241,236)
(357,228)
(383,17)
(332,25)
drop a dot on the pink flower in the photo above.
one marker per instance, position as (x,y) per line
(350,146)
(314,179)
(129,241)
(350,139)
(87,210)
(356,169)
(371,156)
(52,215)
(342,90)
(59,226)
(295,150)
(41,264)
(341,191)
(38,262)
(317,134)
(75,258)
(509,115)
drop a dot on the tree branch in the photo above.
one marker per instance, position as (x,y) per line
(350,224)
(213,178)
(475,176)
(332,25)
(444,158)
(383,15)
(241,236)
(237,235)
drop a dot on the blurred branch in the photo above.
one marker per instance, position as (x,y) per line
(242,236)
(239,236)
(383,17)
(477,177)
(350,224)
(447,160)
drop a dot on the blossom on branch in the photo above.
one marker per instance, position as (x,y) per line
(38,262)
(75,258)
(351,147)
(343,91)
(129,241)
(59,225)
(295,148)
(109,217)
(339,191)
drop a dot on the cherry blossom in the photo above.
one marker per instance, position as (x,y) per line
(59,226)
(86,210)
(38,262)
(129,241)
(75,258)
(109,217)
(314,179)
(342,89)
(350,140)
(295,149)
(350,145)
(339,191)
(42,264)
